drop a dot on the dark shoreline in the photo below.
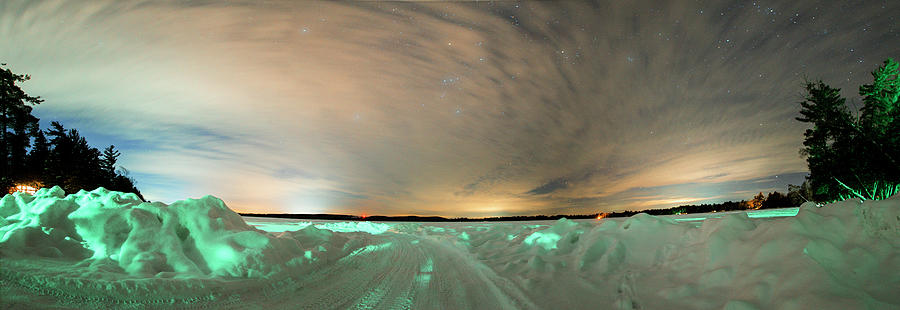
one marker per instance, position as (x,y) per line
(413,218)
(704,208)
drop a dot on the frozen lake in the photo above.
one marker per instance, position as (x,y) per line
(280,225)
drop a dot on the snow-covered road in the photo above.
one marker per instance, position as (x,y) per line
(412,273)
(391,271)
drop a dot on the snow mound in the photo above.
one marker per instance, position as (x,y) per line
(117,232)
(839,256)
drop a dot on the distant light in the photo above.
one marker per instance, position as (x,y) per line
(24,189)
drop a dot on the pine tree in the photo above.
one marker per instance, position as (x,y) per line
(879,127)
(777,200)
(881,99)
(66,159)
(854,158)
(799,194)
(828,143)
(37,158)
(74,164)
(108,162)
(57,158)
(16,125)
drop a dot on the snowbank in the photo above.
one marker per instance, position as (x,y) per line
(119,233)
(841,256)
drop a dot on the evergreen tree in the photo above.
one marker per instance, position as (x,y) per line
(37,158)
(108,162)
(827,143)
(849,157)
(777,200)
(880,100)
(124,183)
(75,165)
(16,125)
(799,194)
(66,159)
(56,159)
(116,178)
(879,126)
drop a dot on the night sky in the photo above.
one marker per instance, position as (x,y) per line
(437,108)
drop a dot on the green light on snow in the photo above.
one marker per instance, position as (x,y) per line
(277,227)
(370,248)
(464,236)
(773,213)
(223,255)
(423,279)
(371,299)
(766,213)
(690,219)
(425,273)
(369,227)
(428,266)
(544,239)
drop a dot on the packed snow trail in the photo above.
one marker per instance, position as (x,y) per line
(394,271)
(104,249)
(391,271)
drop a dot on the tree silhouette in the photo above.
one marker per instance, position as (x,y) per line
(879,114)
(799,194)
(58,157)
(878,130)
(37,158)
(850,156)
(108,162)
(75,164)
(16,125)
(827,141)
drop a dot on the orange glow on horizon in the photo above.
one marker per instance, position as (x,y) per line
(24,189)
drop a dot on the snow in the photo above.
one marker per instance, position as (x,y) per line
(102,249)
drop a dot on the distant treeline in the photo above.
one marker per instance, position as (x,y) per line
(773,200)
(56,156)
(413,218)
(703,208)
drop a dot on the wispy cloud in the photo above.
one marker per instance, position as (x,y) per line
(439,108)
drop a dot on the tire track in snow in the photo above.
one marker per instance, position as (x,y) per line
(413,272)
(392,271)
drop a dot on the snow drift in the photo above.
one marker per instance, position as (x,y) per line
(103,248)
(193,237)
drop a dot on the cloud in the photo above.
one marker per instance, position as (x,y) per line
(549,187)
(438,108)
